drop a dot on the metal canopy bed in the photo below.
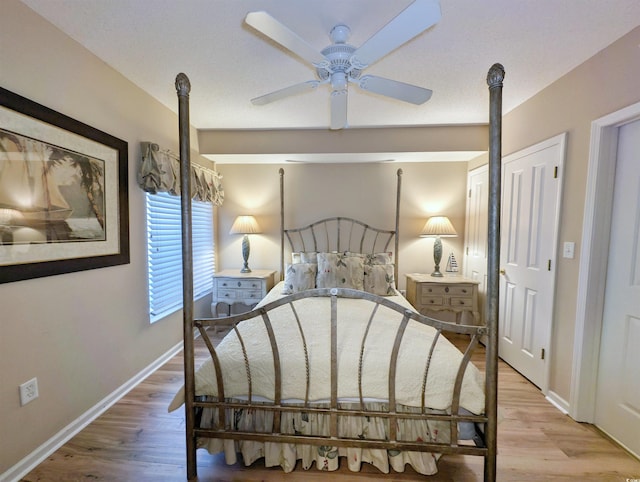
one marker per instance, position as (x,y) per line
(318,372)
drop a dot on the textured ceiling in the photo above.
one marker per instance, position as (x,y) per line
(228,63)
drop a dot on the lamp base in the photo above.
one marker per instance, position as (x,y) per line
(437,256)
(246,249)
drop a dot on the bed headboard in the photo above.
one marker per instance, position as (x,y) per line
(340,234)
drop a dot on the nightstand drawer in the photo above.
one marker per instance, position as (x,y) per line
(431,300)
(239,294)
(243,284)
(451,290)
(461,302)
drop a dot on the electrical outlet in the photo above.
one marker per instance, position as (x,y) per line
(28,391)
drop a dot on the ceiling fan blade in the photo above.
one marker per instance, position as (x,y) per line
(413,20)
(272,28)
(286,92)
(393,88)
(338,109)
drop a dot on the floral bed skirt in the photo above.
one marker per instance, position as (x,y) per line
(326,457)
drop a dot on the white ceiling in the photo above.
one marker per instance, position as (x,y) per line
(228,63)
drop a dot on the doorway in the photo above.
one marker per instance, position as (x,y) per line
(595,321)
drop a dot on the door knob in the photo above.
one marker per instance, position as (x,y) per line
(503,271)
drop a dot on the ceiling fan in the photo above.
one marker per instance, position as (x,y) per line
(340,63)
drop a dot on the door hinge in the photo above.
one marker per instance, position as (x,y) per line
(469,192)
(555,172)
(549,265)
(467,250)
(542,354)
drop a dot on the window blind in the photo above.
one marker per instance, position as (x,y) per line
(164,247)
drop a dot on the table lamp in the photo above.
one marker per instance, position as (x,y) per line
(437,227)
(245,225)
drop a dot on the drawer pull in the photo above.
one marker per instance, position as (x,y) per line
(464,290)
(430,290)
(226,295)
(446,289)
(239,284)
(224,284)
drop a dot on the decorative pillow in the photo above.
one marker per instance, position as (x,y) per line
(309,257)
(304,257)
(378,279)
(336,270)
(378,258)
(299,277)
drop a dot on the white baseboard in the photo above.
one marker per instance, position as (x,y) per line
(558,402)
(31,461)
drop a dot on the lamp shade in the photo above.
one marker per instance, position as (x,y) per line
(438,226)
(245,225)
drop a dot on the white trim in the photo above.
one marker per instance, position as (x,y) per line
(557,401)
(31,461)
(593,262)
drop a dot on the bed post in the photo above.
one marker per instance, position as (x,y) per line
(397,228)
(281,171)
(183,87)
(494,81)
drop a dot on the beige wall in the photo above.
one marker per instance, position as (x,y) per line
(606,83)
(363,191)
(82,334)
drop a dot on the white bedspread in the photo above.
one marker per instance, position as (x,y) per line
(353,315)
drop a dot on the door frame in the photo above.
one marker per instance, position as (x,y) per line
(595,252)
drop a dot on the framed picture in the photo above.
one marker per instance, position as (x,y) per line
(64,204)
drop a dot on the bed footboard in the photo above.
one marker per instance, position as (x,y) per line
(335,408)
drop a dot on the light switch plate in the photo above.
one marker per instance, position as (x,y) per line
(568,250)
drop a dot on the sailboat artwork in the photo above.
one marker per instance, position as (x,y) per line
(49,194)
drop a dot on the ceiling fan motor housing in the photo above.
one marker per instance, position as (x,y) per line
(339,57)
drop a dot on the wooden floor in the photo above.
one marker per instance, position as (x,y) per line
(137,440)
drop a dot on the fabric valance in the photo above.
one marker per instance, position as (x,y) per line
(160,172)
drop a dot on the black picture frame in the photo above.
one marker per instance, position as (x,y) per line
(21,118)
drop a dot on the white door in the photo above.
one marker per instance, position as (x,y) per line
(475,254)
(618,392)
(529,229)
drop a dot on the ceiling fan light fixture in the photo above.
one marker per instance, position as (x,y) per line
(339,81)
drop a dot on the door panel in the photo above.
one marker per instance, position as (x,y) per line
(618,392)
(530,204)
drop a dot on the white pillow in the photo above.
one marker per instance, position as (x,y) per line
(336,270)
(378,279)
(299,277)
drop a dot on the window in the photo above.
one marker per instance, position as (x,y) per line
(164,247)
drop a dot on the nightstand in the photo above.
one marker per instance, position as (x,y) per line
(235,292)
(456,294)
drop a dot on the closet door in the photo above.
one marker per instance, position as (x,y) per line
(476,232)
(531,188)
